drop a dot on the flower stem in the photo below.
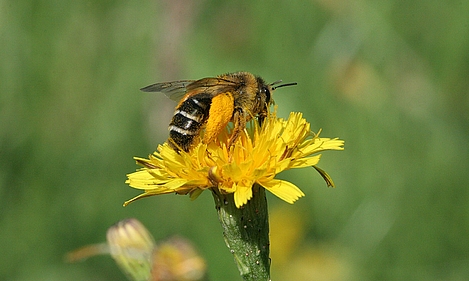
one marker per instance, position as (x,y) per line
(246,232)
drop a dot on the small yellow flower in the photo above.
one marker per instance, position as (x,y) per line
(257,156)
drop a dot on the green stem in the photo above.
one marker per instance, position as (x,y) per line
(246,232)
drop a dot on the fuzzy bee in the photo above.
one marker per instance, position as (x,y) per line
(211,103)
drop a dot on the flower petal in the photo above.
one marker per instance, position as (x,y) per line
(283,189)
(305,162)
(242,194)
(321,144)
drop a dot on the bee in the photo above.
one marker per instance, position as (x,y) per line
(212,103)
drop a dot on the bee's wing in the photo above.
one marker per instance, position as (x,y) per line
(174,90)
(212,82)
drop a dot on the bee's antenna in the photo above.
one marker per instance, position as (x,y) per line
(283,85)
(275,83)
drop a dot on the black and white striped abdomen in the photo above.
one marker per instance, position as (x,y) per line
(188,120)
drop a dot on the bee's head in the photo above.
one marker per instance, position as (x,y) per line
(264,95)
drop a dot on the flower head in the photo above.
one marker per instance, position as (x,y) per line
(257,156)
(131,246)
(134,250)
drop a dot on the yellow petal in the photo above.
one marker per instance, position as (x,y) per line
(321,144)
(144,180)
(283,165)
(305,162)
(175,183)
(242,195)
(232,171)
(149,193)
(283,189)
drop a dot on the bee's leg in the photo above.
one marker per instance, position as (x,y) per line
(261,118)
(239,121)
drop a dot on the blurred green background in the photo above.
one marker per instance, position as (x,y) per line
(391,78)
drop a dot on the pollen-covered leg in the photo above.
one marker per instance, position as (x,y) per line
(221,111)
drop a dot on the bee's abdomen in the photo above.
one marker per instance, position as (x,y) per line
(187,121)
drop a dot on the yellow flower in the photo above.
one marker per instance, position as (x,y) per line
(257,156)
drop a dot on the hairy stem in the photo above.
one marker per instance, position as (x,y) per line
(246,232)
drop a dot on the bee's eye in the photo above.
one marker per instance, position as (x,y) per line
(266,91)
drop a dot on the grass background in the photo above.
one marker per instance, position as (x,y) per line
(389,77)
